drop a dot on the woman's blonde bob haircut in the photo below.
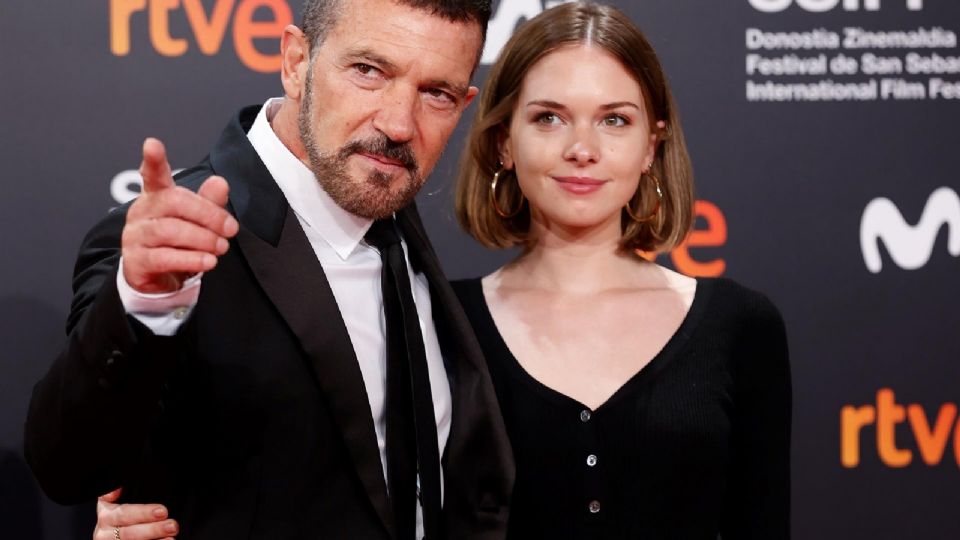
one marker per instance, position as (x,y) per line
(563,25)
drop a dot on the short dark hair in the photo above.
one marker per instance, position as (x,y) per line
(571,24)
(319,16)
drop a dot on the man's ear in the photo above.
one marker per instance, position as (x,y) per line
(471,93)
(295,61)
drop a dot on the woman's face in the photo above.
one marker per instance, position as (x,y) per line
(579,139)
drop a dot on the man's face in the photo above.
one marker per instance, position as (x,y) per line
(382,95)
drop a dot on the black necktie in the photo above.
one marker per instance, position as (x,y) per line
(411,426)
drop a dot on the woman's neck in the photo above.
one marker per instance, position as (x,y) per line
(576,261)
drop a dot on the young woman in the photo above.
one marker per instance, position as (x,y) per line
(640,403)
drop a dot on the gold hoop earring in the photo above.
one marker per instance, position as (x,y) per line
(656,208)
(493,198)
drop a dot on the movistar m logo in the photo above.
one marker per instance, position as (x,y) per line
(910,246)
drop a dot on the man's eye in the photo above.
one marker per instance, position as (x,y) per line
(440,99)
(366,69)
(441,95)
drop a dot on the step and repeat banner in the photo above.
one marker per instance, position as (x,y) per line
(825,136)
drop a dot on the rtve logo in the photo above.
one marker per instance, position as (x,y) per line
(932,438)
(773,6)
(910,246)
(209,29)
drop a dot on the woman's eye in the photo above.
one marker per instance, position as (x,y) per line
(615,120)
(547,119)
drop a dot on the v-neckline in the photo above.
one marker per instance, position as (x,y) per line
(649,370)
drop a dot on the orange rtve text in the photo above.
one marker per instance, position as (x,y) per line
(932,438)
(208,29)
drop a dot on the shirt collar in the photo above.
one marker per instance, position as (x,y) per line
(340,229)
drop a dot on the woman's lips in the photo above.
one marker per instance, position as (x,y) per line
(580,185)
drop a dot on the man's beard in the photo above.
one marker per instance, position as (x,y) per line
(369,197)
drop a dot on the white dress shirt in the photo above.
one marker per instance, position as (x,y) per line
(352,268)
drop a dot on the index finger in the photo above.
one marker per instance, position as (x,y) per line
(155,169)
(125,515)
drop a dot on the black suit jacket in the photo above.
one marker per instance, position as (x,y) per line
(253,420)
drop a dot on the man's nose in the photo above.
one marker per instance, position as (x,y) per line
(397,116)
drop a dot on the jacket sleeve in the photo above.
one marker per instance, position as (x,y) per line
(91,414)
(757,506)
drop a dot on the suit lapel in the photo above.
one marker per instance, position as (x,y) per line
(285,265)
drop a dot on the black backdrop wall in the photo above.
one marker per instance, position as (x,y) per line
(824,136)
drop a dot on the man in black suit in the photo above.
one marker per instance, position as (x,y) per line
(227,354)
